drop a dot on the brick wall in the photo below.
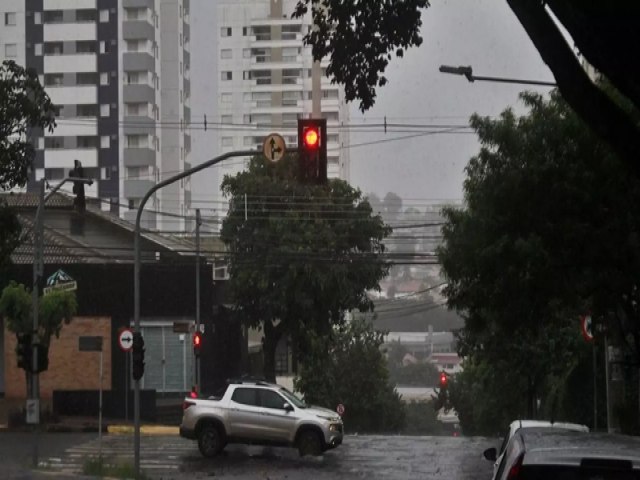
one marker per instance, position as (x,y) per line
(69,368)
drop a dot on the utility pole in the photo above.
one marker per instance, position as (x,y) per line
(197,356)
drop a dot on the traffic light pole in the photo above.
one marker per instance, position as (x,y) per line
(197,357)
(136,274)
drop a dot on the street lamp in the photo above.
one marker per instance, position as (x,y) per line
(468,73)
(38,268)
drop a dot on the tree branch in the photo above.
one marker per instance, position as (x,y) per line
(599,112)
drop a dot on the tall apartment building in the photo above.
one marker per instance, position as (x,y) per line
(118,71)
(265,82)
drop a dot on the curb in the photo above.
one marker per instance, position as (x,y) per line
(144,429)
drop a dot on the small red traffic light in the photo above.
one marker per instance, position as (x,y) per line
(197,340)
(311,138)
(443,379)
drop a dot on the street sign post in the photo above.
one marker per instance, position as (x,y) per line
(274,147)
(125,340)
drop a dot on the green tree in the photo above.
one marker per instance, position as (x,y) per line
(55,309)
(24,107)
(536,245)
(358,57)
(301,255)
(349,367)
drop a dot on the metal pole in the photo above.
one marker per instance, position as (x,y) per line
(37,274)
(100,409)
(136,275)
(595,389)
(513,80)
(197,362)
(607,379)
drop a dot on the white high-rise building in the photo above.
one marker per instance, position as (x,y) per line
(118,71)
(264,82)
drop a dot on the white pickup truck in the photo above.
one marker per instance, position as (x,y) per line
(259,413)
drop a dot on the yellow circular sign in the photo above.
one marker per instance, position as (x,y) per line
(274,147)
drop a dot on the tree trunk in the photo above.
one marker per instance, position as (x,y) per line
(272,336)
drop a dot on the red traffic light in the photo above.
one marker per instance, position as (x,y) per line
(443,379)
(197,340)
(311,138)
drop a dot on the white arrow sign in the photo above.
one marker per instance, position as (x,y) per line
(125,339)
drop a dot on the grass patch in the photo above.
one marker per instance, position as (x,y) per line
(98,467)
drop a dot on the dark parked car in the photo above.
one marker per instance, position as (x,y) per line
(554,454)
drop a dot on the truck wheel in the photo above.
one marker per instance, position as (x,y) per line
(309,443)
(210,441)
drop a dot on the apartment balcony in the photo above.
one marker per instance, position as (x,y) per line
(75,126)
(78,95)
(138,4)
(187,114)
(137,188)
(84,62)
(257,42)
(132,93)
(64,4)
(64,157)
(186,29)
(186,57)
(69,32)
(139,125)
(270,65)
(139,157)
(138,30)
(138,61)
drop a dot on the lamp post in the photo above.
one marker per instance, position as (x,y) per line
(37,275)
(468,73)
(136,275)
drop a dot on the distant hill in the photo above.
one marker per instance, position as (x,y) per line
(410,316)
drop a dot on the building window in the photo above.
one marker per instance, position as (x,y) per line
(105,173)
(53,79)
(105,141)
(104,16)
(37,18)
(226,32)
(11,50)
(104,78)
(227,141)
(226,119)
(245,31)
(227,76)
(246,53)
(104,110)
(226,98)
(37,49)
(226,54)
(10,18)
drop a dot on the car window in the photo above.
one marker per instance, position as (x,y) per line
(269,399)
(246,396)
(512,452)
(504,442)
(555,472)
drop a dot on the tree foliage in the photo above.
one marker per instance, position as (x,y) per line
(349,367)
(55,310)
(301,255)
(602,31)
(24,105)
(545,235)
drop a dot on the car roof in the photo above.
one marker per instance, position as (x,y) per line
(555,446)
(517,424)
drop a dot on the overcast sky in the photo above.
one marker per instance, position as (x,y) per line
(481,33)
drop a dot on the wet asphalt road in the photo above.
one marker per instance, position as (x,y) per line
(174,458)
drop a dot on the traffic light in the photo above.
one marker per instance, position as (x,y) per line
(24,351)
(137,356)
(197,342)
(43,358)
(444,380)
(79,202)
(312,150)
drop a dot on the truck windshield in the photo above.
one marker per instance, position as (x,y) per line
(293,398)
